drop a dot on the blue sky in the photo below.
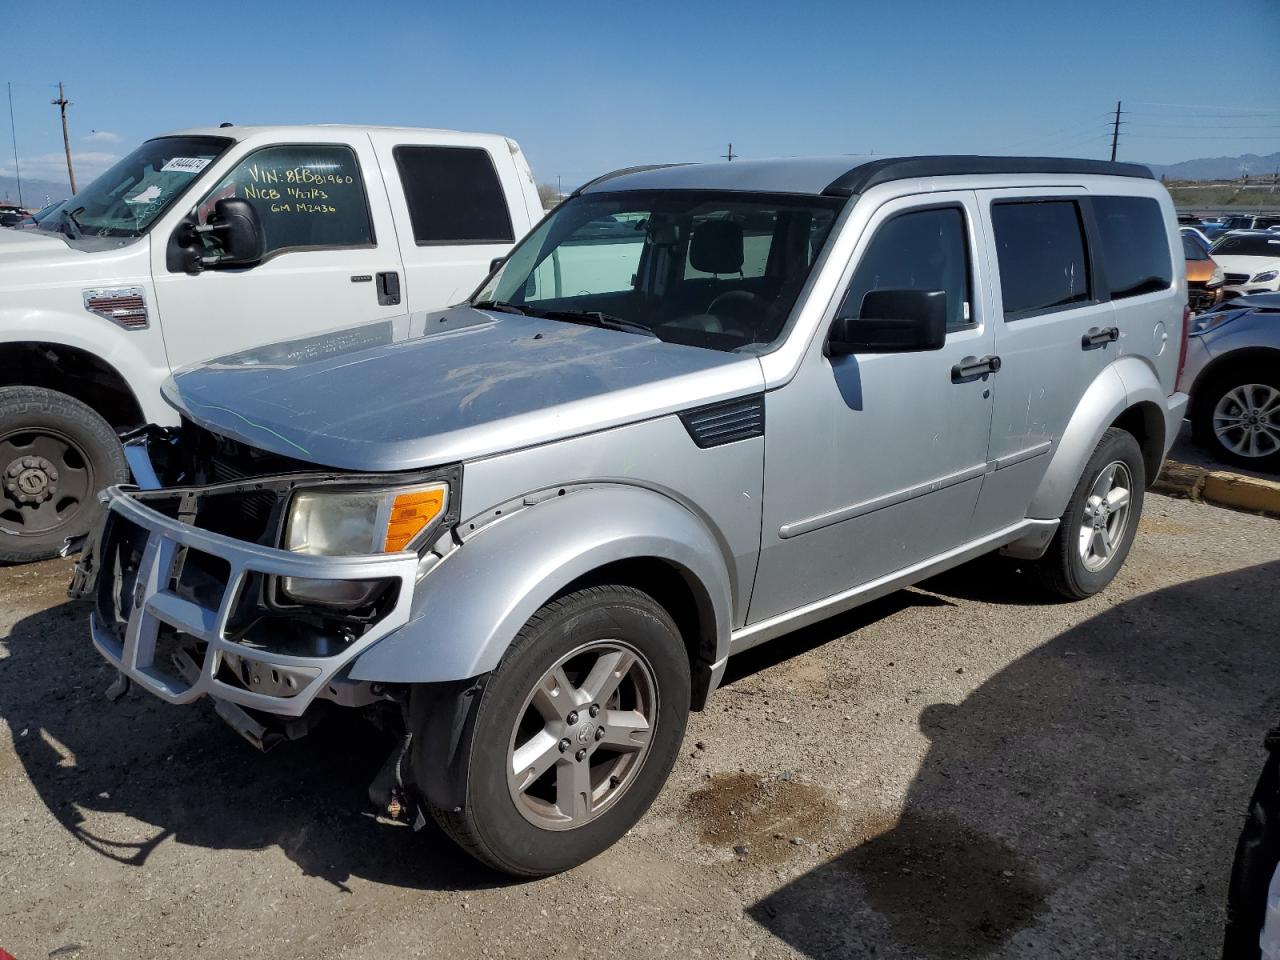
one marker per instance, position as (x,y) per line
(586,87)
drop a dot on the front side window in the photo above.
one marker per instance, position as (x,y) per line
(1135,246)
(715,269)
(1043,261)
(920,250)
(129,197)
(454,195)
(305,195)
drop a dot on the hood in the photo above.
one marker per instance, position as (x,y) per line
(1249,265)
(1200,271)
(448,386)
(30,241)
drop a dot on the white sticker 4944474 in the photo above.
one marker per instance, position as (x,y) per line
(185,165)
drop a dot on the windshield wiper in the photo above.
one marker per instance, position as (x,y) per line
(69,220)
(501,306)
(597,318)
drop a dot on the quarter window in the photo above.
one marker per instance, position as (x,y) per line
(454,195)
(1043,261)
(921,250)
(305,196)
(1134,244)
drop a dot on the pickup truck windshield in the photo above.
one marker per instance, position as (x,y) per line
(715,269)
(128,198)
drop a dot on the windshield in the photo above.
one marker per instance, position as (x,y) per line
(714,269)
(128,198)
(1255,246)
(1192,248)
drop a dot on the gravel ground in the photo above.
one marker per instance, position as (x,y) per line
(958,770)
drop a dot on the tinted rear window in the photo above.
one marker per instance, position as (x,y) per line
(1134,245)
(1043,263)
(454,195)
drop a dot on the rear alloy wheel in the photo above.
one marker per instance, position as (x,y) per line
(574,735)
(1100,522)
(55,454)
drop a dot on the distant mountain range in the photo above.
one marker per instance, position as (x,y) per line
(1218,168)
(35,193)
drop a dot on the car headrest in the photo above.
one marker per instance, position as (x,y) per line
(716,247)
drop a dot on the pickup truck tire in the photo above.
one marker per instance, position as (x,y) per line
(592,698)
(1100,521)
(1223,401)
(55,455)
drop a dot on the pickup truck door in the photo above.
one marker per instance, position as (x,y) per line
(874,462)
(331,258)
(459,201)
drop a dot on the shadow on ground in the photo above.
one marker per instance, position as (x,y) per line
(180,772)
(1105,773)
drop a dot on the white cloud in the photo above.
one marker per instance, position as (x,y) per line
(53,166)
(103,136)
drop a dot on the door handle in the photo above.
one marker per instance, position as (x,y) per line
(1099,336)
(388,288)
(970,368)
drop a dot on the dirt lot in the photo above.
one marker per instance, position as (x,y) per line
(956,771)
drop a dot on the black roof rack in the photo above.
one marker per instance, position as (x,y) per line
(873,172)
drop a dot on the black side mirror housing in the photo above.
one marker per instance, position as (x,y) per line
(495,263)
(891,321)
(238,231)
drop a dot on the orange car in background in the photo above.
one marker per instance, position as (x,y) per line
(1204,276)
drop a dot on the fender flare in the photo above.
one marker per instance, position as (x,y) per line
(99,338)
(1124,384)
(468,608)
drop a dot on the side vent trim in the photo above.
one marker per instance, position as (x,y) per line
(726,422)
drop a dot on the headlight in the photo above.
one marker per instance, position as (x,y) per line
(1217,279)
(337,522)
(1266,277)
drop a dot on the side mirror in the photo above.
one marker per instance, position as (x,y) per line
(891,321)
(235,225)
(495,263)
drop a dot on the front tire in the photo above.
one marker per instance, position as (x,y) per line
(1100,522)
(55,455)
(574,736)
(1237,416)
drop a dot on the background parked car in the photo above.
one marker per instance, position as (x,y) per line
(1204,276)
(1250,260)
(1233,376)
(11,218)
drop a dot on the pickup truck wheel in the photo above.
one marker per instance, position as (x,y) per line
(1236,416)
(55,455)
(575,733)
(1100,522)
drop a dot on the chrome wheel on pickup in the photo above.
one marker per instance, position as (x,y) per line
(573,735)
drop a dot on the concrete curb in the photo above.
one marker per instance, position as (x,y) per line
(1219,487)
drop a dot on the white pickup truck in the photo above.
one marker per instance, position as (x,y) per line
(213,240)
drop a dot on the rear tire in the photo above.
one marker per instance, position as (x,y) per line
(55,455)
(574,736)
(1222,401)
(1094,535)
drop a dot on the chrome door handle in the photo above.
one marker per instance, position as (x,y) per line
(1099,336)
(970,368)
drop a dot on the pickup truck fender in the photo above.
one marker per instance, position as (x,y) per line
(100,338)
(468,608)
(1128,384)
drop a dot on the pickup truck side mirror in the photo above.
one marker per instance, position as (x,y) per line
(238,231)
(890,321)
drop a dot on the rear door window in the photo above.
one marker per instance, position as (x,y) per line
(1135,246)
(454,195)
(1044,263)
(305,195)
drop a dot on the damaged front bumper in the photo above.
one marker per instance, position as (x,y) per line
(186,612)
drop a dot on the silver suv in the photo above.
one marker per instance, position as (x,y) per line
(697,408)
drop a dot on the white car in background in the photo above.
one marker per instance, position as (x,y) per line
(1250,260)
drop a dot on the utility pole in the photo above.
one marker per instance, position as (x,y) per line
(559,189)
(62,103)
(730,156)
(14,130)
(1115,132)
